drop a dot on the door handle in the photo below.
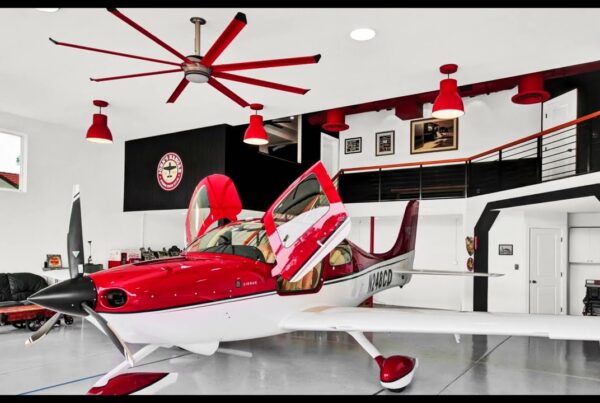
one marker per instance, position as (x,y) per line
(533,282)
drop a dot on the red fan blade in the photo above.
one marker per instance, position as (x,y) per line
(152,73)
(261,64)
(228,92)
(262,83)
(182,84)
(110,52)
(228,35)
(128,21)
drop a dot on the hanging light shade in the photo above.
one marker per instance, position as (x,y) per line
(99,131)
(448,104)
(335,121)
(255,133)
(531,90)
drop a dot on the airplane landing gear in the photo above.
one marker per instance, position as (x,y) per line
(395,372)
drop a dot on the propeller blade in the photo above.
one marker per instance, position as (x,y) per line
(233,96)
(228,35)
(75,236)
(140,29)
(114,337)
(44,329)
(182,84)
(262,83)
(110,52)
(152,73)
(261,64)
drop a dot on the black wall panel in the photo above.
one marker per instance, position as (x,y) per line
(202,152)
(259,178)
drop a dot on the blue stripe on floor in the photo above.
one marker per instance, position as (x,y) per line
(98,375)
(61,384)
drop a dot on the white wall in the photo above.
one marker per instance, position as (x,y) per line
(35,222)
(509,293)
(489,121)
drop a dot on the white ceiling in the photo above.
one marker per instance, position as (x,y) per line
(51,83)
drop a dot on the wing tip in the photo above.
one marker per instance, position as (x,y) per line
(53,41)
(317,57)
(305,91)
(111,9)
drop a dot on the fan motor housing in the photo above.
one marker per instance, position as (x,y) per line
(196,73)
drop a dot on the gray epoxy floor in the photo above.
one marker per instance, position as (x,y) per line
(70,359)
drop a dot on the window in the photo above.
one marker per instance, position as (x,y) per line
(310,281)
(341,255)
(11,162)
(247,239)
(300,209)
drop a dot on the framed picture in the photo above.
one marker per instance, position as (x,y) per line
(505,249)
(353,145)
(384,143)
(53,261)
(430,135)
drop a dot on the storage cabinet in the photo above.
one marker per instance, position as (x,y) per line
(584,245)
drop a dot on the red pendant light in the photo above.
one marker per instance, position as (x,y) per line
(531,90)
(335,121)
(99,131)
(448,104)
(255,133)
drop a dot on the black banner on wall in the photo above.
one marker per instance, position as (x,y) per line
(161,172)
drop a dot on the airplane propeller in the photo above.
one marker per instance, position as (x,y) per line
(73,296)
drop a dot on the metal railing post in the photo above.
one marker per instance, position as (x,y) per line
(379,184)
(467,167)
(539,156)
(420,182)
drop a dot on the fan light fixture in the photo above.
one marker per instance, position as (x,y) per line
(255,133)
(99,131)
(362,34)
(448,104)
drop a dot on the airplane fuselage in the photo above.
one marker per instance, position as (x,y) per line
(197,301)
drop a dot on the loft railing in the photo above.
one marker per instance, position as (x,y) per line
(568,149)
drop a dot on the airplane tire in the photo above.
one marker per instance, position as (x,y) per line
(34,324)
(68,320)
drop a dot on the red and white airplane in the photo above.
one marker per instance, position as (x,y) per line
(291,270)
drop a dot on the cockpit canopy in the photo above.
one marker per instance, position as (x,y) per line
(241,238)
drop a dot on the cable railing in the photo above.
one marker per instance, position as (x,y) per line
(568,149)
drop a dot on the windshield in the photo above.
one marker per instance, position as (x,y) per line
(247,239)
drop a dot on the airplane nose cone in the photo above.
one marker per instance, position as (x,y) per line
(67,296)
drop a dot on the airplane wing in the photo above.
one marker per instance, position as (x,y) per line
(409,320)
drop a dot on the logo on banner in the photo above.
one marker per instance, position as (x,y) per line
(169,171)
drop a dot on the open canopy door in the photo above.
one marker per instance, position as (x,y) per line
(214,198)
(305,223)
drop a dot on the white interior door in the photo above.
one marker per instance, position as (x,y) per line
(559,149)
(330,153)
(545,271)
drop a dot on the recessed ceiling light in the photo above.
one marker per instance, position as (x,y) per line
(48,10)
(362,34)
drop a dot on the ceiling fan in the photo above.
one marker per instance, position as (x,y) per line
(201,69)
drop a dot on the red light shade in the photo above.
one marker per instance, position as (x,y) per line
(335,121)
(99,131)
(255,133)
(448,104)
(531,90)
